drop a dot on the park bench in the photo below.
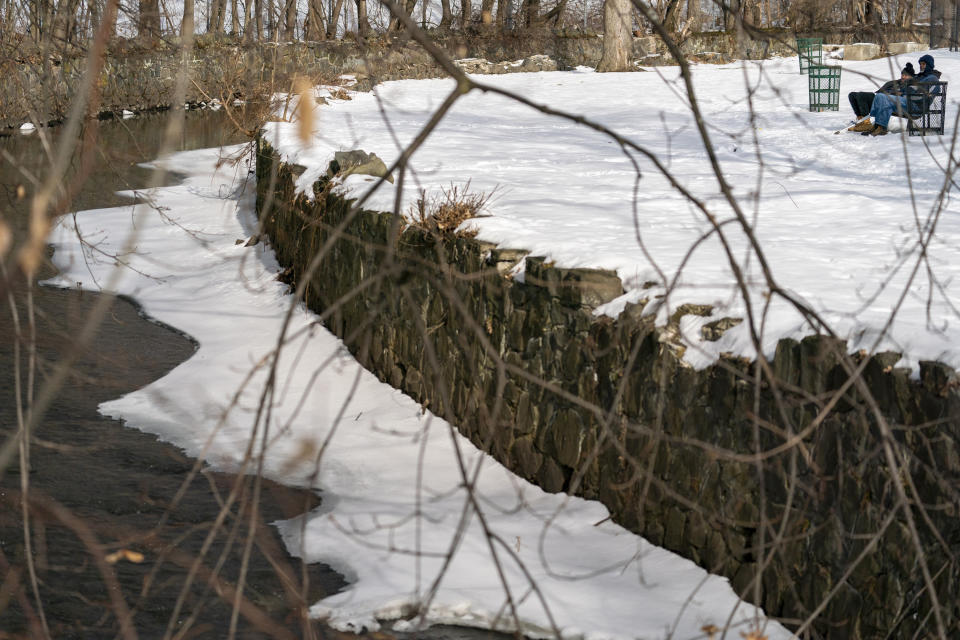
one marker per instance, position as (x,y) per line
(926,109)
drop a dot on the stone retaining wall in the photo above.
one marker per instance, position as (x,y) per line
(141,80)
(607,410)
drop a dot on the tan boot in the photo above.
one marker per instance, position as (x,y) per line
(860,127)
(879,130)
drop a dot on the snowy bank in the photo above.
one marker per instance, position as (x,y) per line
(842,219)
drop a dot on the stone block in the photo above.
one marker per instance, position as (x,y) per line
(551,477)
(526,457)
(861,51)
(574,287)
(590,287)
(673,529)
(644,46)
(901,48)
(566,434)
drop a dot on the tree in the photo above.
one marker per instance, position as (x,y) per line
(694,15)
(486,12)
(314,26)
(532,10)
(186,27)
(234,18)
(290,20)
(217,16)
(617,36)
(148,19)
(446,15)
(363,24)
(334,19)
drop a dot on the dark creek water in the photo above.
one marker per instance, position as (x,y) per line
(97,485)
(95,482)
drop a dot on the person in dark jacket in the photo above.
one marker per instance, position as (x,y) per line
(861,101)
(884,104)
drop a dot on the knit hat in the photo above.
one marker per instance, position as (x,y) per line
(908,70)
(928,60)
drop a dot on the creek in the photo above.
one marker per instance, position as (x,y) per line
(89,473)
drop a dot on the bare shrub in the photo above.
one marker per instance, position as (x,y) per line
(446,211)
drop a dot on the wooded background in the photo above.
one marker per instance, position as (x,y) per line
(74,22)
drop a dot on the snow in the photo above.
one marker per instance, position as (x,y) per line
(386,528)
(836,216)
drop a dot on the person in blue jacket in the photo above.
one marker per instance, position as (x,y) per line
(884,103)
(861,101)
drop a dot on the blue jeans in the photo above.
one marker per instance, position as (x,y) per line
(883,106)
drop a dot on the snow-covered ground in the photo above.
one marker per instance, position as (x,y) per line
(838,217)
(833,213)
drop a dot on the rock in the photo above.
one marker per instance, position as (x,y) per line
(861,51)
(900,48)
(483,66)
(505,259)
(346,163)
(539,63)
(474,65)
(644,46)
(711,57)
(713,331)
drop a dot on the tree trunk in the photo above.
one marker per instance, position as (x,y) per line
(694,16)
(410,6)
(248,23)
(486,12)
(234,18)
(258,19)
(39,9)
(272,22)
(446,15)
(905,11)
(218,16)
(186,27)
(617,36)
(752,12)
(290,21)
(532,10)
(148,19)
(394,21)
(65,22)
(466,13)
(334,19)
(314,28)
(671,16)
(503,11)
(731,11)
(363,24)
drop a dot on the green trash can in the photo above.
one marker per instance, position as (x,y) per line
(824,83)
(809,52)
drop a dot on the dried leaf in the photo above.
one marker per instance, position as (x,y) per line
(6,239)
(124,554)
(133,556)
